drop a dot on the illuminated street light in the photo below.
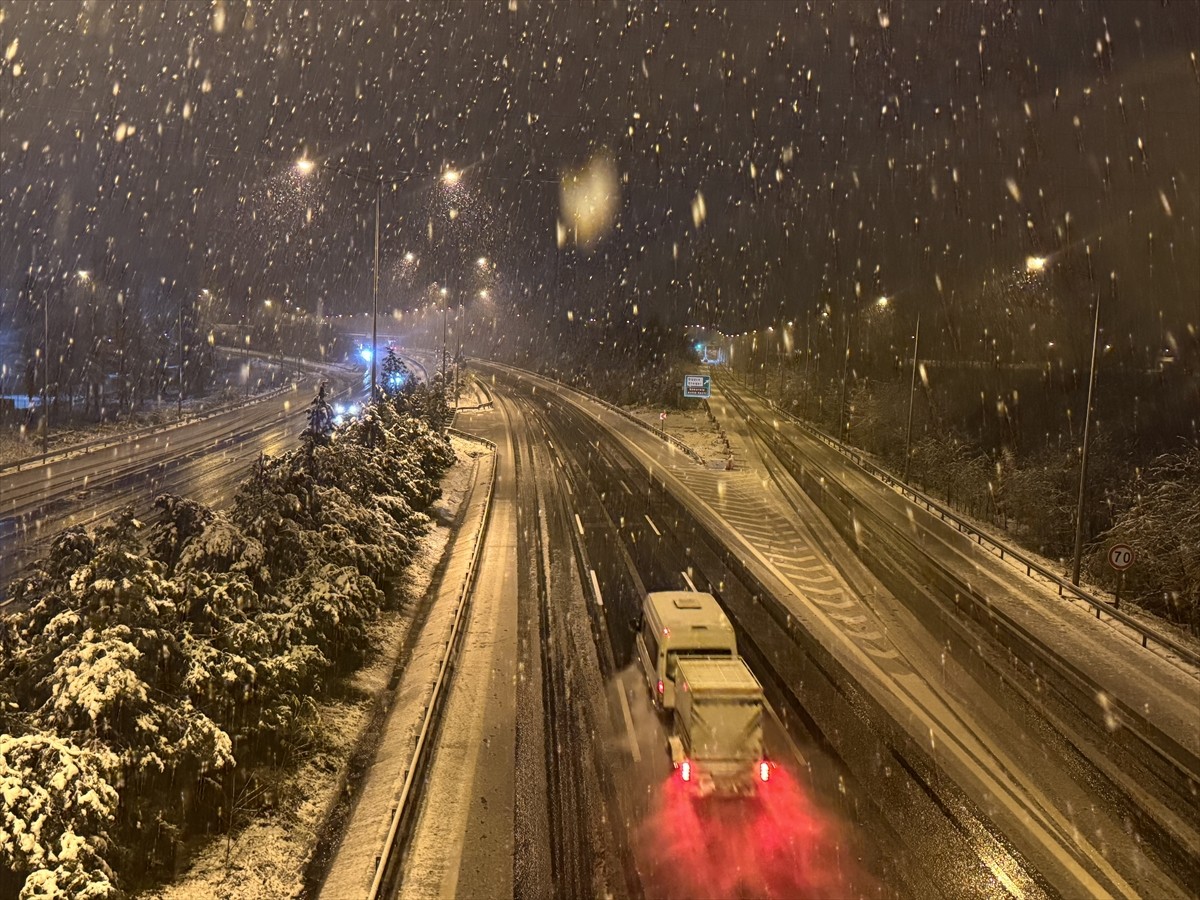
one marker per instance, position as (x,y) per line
(882,302)
(305,166)
(84,275)
(451,176)
(410,257)
(1035,263)
(482,262)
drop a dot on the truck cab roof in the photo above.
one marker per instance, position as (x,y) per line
(681,611)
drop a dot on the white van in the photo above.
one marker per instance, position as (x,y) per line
(675,624)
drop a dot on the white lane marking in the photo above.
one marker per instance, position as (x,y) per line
(634,750)
(881,654)
(820,592)
(652,525)
(687,578)
(596,588)
(578,524)
(848,620)
(628,489)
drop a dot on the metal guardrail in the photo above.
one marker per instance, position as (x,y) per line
(612,407)
(433,711)
(987,541)
(136,434)
(152,430)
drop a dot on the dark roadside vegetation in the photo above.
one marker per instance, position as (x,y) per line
(159,675)
(998,441)
(115,354)
(1002,444)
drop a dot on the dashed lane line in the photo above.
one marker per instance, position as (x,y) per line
(596,588)
(634,750)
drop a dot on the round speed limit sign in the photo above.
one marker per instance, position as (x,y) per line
(1121,556)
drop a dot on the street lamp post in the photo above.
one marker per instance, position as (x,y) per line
(912,390)
(179,402)
(305,166)
(375,288)
(45,359)
(445,317)
(845,375)
(807,358)
(1083,461)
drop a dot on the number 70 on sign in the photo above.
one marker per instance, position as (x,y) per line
(1121,557)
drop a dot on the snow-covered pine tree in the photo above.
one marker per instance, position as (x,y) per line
(320,420)
(397,377)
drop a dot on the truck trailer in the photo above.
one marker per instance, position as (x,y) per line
(717,744)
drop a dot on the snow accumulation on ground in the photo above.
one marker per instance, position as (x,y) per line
(265,859)
(1062,568)
(692,426)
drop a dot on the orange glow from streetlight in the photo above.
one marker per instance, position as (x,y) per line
(451,176)
(305,166)
(1035,263)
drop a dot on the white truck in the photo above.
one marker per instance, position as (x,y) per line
(689,654)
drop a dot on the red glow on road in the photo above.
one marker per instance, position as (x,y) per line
(776,844)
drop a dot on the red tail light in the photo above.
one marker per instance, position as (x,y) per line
(685,770)
(764,771)
(660,687)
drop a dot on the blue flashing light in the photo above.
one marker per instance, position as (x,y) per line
(365,353)
(699,348)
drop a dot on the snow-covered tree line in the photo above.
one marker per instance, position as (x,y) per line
(158,669)
(1030,492)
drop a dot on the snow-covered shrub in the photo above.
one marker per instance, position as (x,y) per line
(331,609)
(186,653)
(362,536)
(179,522)
(56,806)
(1159,515)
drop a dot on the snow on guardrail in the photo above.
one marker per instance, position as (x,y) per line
(989,542)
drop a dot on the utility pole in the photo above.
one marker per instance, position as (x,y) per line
(45,358)
(1083,461)
(912,390)
(458,359)
(179,403)
(845,375)
(375,288)
(807,359)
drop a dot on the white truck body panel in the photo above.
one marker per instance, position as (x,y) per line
(719,722)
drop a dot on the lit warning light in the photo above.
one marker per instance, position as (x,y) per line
(660,687)
(764,771)
(685,770)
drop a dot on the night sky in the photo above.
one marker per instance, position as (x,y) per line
(770,159)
